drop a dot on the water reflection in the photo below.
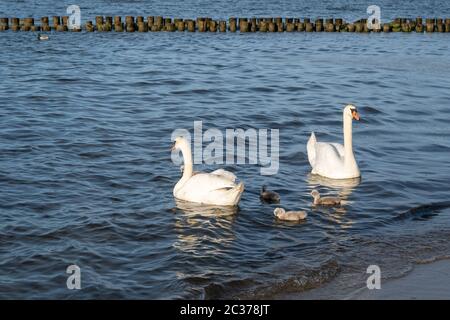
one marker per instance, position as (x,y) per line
(203,230)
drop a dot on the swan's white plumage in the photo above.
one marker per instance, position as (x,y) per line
(225,174)
(215,188)
(334,160)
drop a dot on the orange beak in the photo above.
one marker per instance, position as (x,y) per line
(355,115)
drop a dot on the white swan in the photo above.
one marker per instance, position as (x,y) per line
(334,160)
(215,188)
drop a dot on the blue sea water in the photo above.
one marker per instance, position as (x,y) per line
(86,176)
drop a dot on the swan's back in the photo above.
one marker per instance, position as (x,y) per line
(211,188)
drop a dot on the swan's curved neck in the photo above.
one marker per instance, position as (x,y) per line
(349,157)
(188,165)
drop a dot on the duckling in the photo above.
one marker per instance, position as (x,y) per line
(326,201)
(281,214)
(269,196)
(42,37)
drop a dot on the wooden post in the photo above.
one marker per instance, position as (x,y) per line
(99,23)
(150,22)
(208,22)
(253,26)
(309,27)
(118,25)
(15,24)
(263,26)
(89,26)
(429,25)
(4,24)
(396,25)
(232,24)
(129,22)
(319,25)
(447,25)
(170,27)
(300,26)
(201,22)
(142,26)
(56,22)
(272,27)
(338,22)
(27,23)
(406,27)
(191,25)
(351,27)
(159,22)
(440,25)
(180,25)
(213,26)
(45,24)
(329,25)
(167,21)
(386,27)
(108,24)
(243,25)
(290,27)
(222,26)
(280,26)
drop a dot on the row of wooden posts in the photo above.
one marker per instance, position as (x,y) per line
(159,23)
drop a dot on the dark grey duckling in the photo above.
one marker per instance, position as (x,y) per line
(42,37)
(269,196)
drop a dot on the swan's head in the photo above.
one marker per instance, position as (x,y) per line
(278,211)
(179,143)
(315,194)
(351,111)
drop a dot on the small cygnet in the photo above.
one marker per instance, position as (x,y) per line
(326,201)
(269,196)
(281,214)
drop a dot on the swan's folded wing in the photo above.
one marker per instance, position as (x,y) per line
(339,148)
(203,183)
(225,174)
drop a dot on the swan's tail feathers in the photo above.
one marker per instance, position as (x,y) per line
(311,149)
(236,192)
(228,196)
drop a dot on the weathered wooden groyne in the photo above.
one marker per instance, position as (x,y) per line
(205,24)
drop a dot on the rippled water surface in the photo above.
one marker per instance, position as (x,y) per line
(86,176)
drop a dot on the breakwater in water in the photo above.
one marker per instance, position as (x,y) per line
(233,24)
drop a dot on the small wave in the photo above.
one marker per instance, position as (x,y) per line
(423,212)
(307,279)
